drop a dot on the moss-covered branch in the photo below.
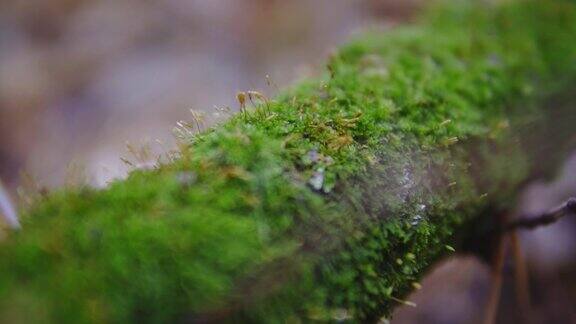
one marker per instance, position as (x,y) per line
(327,203)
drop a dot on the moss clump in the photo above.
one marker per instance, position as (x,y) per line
(327,203)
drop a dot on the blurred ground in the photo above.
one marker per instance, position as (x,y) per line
(80,78)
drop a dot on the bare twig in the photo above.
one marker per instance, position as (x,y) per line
(547,218)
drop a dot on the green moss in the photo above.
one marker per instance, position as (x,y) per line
(327,203)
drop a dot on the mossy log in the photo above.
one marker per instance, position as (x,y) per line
(327,203)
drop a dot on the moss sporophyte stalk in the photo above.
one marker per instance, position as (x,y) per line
(326,203)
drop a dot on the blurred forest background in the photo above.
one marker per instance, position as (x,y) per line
(80,78)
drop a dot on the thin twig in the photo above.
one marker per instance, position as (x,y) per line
(547,218)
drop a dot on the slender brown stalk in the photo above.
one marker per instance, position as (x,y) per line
(521,279)
(497,265)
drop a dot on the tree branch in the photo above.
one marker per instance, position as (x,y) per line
(328,203)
